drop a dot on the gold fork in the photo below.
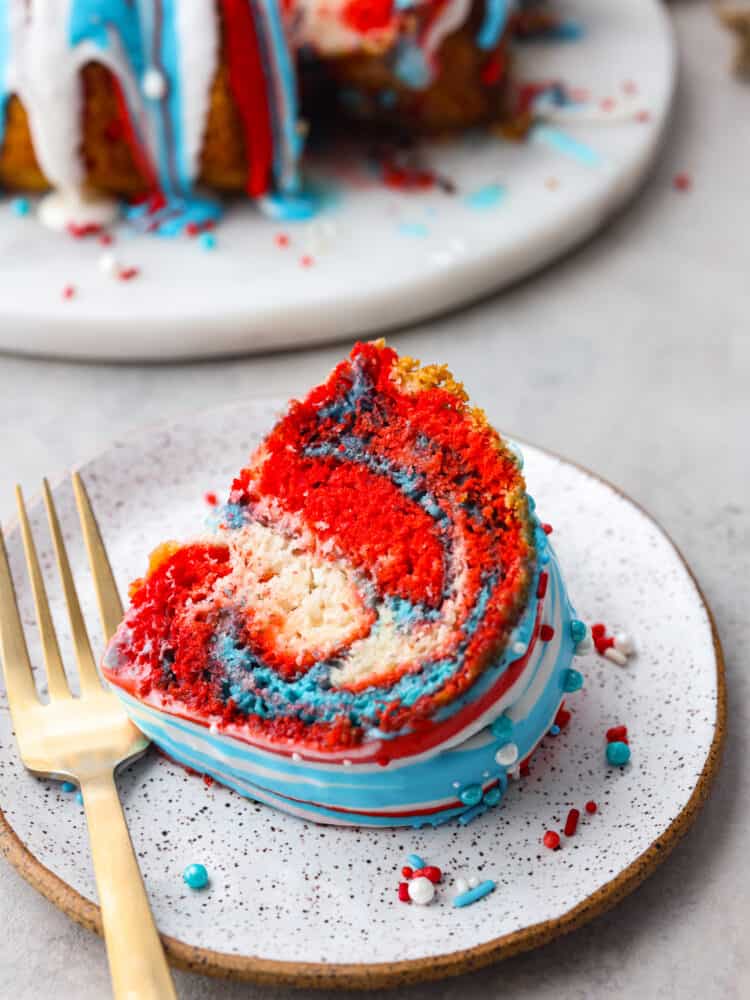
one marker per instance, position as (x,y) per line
(84,739)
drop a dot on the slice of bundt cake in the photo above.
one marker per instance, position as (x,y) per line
(377,591)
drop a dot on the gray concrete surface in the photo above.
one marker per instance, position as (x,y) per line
(633,357)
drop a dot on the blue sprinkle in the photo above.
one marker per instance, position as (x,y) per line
(471,795)
(573,681)
(207,241)
(578,630)
(618,753)
(67,786)
(492,796)
(544,557)
(479,810)
(414,861)
(414,229)
(475,894)
(502,728)
(486,197)
(21,206)
(554,730)
(195,876)
(79,798)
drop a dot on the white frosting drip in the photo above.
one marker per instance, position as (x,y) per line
(199,33)
(71,207)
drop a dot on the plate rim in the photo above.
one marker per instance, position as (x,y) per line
(380,975)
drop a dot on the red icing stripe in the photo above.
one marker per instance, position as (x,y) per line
(248,83)
(142,160)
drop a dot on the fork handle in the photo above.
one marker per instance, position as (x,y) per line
(137,963)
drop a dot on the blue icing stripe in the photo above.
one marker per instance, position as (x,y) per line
(493,25)
(92,21)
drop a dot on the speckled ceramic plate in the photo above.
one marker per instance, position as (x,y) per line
(292,902)
(380,258)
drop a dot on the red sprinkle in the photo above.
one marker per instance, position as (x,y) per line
(682,182)
(607,104)
(643,116)
(591,807)
(551,839)
(547,529)
(617,734)
(546,633)
(541,589)
(211,499)
(562,718)
(403,892)
(128,273)
(524,769)
(106,239)
(432,872)
(306,261)
(597,631)
(69,291)
(603,643)
(630,87)
(407,872)
(78,232)
(282,240)
(571,823)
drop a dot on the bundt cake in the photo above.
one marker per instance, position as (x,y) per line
(149,99)
(376,631)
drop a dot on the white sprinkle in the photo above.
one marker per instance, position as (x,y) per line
(507,755)
(296,756)
(616,656)
(347,762)
(213,729)
(461,886)
(456,784)
(473,882)
(421,890)
(583,646)
(153,84)
(624,644)
(109,264)
(519,648)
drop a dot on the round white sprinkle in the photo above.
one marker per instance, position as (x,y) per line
(583,646)
(519,648)
(473,882)
(296,756)
(456,784)
(507,755)
(213,729)
(109,264)
(347,763)
(623,643)
(421,890)
(153,84)
(461,886)
(616,656)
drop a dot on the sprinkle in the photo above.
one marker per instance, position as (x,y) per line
(195,876)
(211,499)
(578,630)
(473,882)
(643,116)
(608,104)
(421,891)
(554,730)
(617,733)
(407,872)
(461,885)
(630,87)
(591,807)
(525,769)
(471,814)
(541,589)
(598,631)
(618,753)
(281,240)
(501,727)
(69,291)
(306,260)
(67,787)
(108,264)
(615,656)
(563,717)
(415,861)
(471,795)
(207,241)
(106,239)
(546,633)
(153,84)
(507,755)
(128,273)
(475,894)
(403,892)
(492,796)
(571,823)
(547,529)
(79,798)
(624,643)
(603,643)
(573,681)
(20,206)
(296,756)
(432,872)
(551,839)
(682,182)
